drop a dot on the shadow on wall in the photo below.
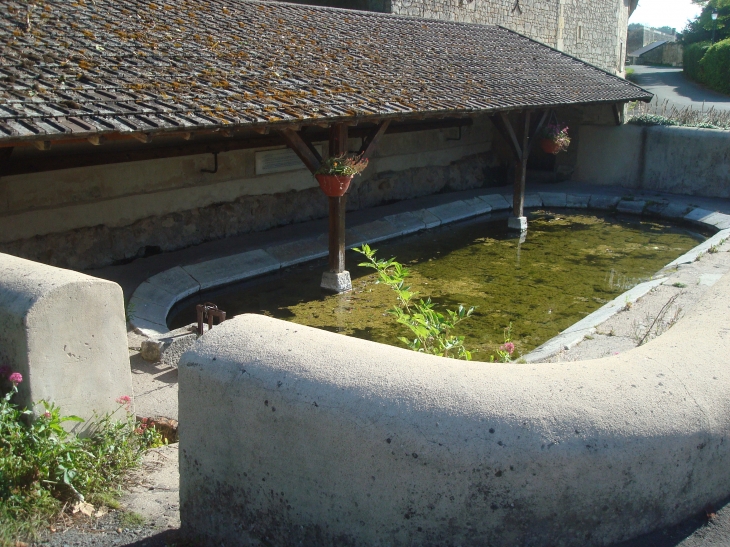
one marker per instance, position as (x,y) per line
(99,246)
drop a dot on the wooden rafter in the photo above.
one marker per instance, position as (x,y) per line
(301,149)
(370,141)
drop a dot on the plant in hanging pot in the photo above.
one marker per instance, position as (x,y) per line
(336,172)
(555,138)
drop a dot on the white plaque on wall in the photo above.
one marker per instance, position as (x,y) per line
(278,161)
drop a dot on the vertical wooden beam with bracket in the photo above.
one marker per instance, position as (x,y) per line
(338,147)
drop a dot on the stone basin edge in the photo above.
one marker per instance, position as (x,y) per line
(153,299)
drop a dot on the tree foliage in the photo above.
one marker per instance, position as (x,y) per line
(700,29)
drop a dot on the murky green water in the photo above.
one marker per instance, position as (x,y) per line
(569,265)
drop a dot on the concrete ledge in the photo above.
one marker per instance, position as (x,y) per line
(65,333)
(357,443)
(153,299)
(577,331)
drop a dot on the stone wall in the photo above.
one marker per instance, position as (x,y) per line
(92,217)
(678,160)
(592,31)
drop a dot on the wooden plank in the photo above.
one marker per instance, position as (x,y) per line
(300,148)
(5,153)
(109,156)
(370,142)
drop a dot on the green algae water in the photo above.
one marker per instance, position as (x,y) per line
(567,266)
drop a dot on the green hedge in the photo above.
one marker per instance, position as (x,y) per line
(693,54)
(715,66)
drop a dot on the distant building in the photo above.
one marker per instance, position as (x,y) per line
(640,36)
(661,52)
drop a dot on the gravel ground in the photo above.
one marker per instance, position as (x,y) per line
(152,491)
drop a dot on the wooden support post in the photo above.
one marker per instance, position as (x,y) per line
(338,146)
(518,201)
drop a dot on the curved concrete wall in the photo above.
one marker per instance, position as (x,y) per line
(65,333)
(305,437)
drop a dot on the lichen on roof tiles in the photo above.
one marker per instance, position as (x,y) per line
(163,65)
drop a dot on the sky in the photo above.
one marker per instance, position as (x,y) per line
(660,13)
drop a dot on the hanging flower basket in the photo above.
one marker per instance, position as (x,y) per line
(550,147)
(334,185)
(555,138)
(335,173)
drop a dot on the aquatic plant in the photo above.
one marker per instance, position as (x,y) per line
(431,328)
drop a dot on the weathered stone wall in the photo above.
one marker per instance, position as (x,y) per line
(91,217)
(592,31)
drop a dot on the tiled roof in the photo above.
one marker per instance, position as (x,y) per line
(646,49)
(75,67)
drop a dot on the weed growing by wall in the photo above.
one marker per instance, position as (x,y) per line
(44,468)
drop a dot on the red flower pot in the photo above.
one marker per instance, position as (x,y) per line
(334,186)
(549,146)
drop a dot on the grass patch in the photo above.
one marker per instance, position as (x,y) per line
(44,468)
(664,113)
(679,285)
(130,519)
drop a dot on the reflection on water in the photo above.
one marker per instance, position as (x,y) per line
(565,267)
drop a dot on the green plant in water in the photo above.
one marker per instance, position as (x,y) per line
(431,328)
(42,465)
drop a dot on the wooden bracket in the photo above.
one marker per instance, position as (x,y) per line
(370,141)
(306,152)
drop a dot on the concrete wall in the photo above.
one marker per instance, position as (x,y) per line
(91,217)
(592,31)
(679,160)
(65,333)
(305,437)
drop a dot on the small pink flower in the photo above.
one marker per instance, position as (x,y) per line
(15,378)
(124,400)
(509,347)
(46,414)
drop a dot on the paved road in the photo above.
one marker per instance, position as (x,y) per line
(670,84)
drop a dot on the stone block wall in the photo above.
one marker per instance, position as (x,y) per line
(592,31)
(92,217)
